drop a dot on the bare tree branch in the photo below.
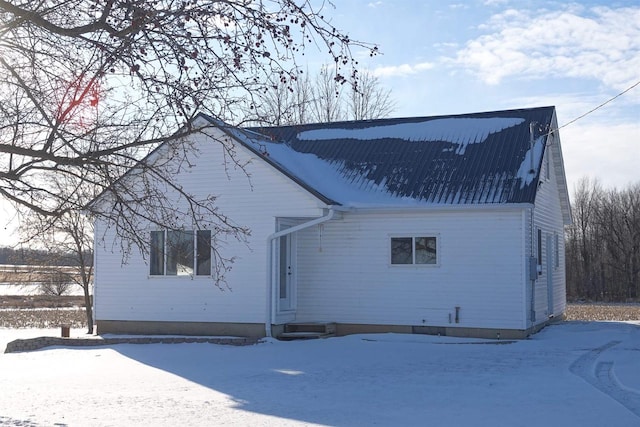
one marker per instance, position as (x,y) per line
(88,88)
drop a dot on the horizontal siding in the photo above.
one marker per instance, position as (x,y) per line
(126,292)
(548,218)
(344,271)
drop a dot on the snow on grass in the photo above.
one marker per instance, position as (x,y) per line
(358,380)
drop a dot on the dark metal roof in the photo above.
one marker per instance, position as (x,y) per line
(479,158)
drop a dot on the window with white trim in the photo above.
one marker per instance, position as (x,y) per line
(414,250)
(180,253)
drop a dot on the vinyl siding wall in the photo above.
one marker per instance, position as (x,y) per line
(127,292)
(345,275)
(547,216)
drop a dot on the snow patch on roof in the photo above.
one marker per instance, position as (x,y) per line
(330,178)
(461,131)
(529,167)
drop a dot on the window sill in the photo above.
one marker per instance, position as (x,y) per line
(414,265)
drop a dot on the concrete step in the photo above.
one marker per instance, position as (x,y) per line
(307,330)
(322,327)
(290,336)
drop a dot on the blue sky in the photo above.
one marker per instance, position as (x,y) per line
(449,57)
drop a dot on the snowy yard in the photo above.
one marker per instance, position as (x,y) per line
(573,374)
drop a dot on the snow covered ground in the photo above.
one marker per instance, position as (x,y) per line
(572,374)
(30,289)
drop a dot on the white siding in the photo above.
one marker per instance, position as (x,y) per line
(126,292)
(344,271)
(547,216)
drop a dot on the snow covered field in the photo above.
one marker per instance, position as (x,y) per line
(572,374)
(29,289)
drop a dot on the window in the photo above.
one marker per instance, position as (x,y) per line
(556,250)
(157,252)
(203,253)
(547,156)
(547,166)
(413,250)
(180,253)
(539,247)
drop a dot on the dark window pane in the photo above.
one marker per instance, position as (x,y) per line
(425,250)
(539,247)
(401,251)
(157,253)
(179,253)
(203,255)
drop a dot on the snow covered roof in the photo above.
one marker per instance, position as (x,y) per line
(479,158)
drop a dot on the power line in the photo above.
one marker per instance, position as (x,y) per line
(599,106)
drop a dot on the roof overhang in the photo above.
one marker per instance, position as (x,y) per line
(560,175)
(226,129)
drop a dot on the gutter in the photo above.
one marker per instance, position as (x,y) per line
(438,207)
(270,248)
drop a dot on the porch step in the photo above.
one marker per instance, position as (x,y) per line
(307,330)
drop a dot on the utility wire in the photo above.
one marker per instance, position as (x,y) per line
(599,106)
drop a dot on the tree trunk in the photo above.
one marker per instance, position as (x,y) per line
(88,308)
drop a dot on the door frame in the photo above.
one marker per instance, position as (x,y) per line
(286,246)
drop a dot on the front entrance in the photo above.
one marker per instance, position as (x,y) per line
(285,273)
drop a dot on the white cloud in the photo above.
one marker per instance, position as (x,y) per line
(446,45)
(606,152)
(402,70)
(495,2)
(600,43)
(374,4)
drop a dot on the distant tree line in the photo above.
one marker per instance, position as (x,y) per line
(30,256)
(603,243)
(61,256)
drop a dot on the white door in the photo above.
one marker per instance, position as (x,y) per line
(286,273)
(549,276)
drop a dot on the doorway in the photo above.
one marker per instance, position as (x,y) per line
(286,273)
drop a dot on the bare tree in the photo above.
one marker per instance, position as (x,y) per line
(619,218)
(282,104)
(57,283)
(68,243)
(326,104)
(369,100)
(603,244)
(321,99)
(89,87)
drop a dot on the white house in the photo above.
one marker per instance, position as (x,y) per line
(448,224)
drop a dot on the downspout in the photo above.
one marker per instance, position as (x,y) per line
(94,327)
(270,241)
